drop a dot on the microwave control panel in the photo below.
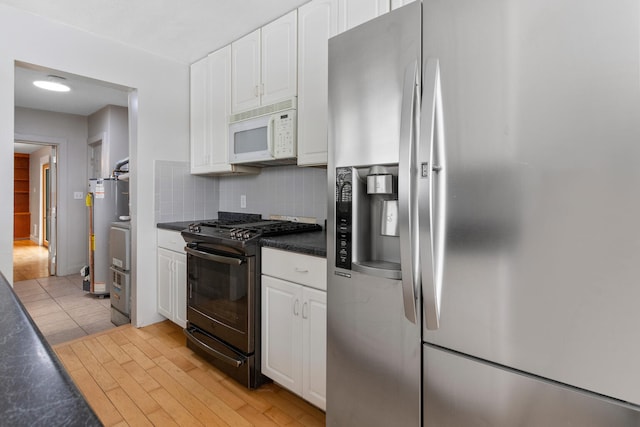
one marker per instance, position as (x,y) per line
(284,133)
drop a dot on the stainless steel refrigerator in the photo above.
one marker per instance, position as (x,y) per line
(107,201)
(483,241)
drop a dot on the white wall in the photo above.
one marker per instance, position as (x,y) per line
(161,132)
(71,133)
(111,121)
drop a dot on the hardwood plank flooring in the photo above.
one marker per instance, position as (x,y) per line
(147,376)
(30,261)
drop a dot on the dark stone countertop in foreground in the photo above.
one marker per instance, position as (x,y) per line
(35,390)
(314,243)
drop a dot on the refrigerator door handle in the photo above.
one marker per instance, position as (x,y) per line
(406,205)
(431,193)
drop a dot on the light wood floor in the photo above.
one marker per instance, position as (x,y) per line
(148,376)
(30,261)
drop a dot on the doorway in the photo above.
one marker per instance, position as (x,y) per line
(36,255)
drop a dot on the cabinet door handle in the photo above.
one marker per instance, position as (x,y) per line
(296,308)
(256,91)
(300,270)
(305,313)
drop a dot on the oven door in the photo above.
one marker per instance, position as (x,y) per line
(222,294)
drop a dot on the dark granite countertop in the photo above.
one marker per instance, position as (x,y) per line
(314,243)
(35,390)
(175,226)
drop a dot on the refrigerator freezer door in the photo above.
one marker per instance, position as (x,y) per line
(541,101)
(373,354)
(492,396)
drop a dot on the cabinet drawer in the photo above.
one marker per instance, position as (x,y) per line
(171,240)
(304,269)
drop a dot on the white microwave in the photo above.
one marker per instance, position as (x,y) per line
(263,138)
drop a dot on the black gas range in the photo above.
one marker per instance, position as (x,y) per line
(223,294)
(242,231)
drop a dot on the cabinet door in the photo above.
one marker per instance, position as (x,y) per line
(317,22)
(165,286)
(220,97)
(314,349)
(279,59)
(180,289)
(399,3)
(356,12)
(199,137)
(245,69)
(282,332)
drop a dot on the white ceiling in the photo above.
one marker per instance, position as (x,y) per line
(85,97)
(184,31)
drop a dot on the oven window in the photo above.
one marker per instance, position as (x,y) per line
(220,291)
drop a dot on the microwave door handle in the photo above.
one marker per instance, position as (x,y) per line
(270,133)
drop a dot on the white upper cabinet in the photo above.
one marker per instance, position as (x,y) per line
(210,109)
(279,59)
(356,12)
(245,83)
(317,22)
(399,3)
(200,147)
(264,65)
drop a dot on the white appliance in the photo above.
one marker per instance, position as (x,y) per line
(508,133)
(119,272)
(264,138)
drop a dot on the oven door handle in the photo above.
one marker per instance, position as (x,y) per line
(232,358)
(213,257)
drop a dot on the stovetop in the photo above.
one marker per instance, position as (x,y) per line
(248,228)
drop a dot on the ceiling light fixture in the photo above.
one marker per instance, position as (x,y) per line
(54,83)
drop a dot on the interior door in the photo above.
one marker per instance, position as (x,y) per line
(52,211)
(540,105)
(46,203)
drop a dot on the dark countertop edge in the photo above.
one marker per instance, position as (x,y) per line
(311,243)
(175,226)
(72,408)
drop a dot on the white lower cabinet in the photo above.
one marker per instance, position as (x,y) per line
(172,277)
(294,325)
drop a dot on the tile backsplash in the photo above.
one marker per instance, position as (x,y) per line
(180,196)
(280,190)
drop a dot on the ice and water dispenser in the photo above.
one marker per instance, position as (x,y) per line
(367,220)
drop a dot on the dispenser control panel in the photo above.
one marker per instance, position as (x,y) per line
(344,196)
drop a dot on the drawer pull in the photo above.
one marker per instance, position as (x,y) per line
(300,270)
